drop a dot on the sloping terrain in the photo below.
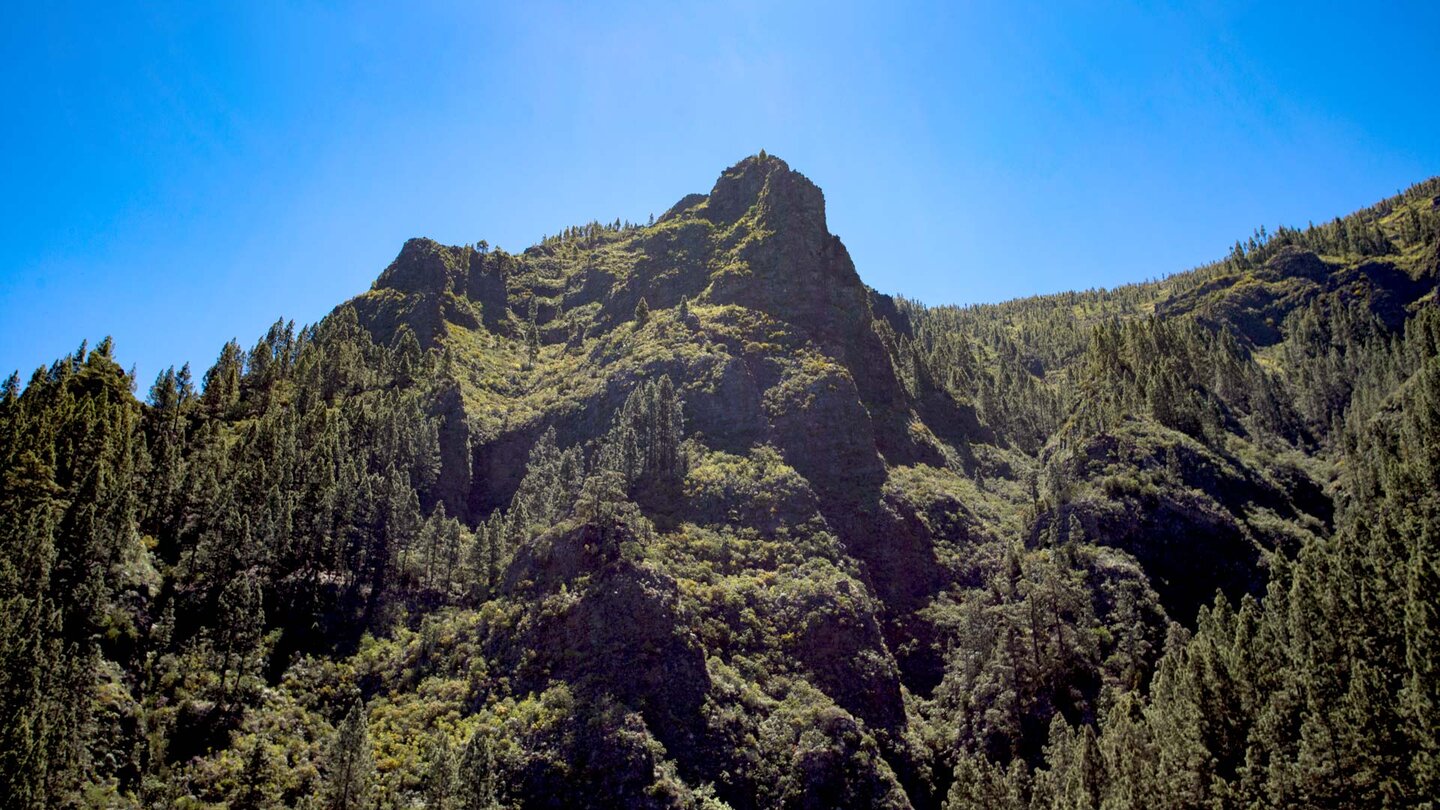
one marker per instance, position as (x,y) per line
(685,514)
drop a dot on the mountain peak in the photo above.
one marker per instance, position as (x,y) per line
(767,184)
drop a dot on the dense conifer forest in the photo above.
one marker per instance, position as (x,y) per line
(683,514)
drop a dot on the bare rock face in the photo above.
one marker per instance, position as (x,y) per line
(776,255)
(726,410)
(485,287)
(423,266)
(430,284)
(825,432)
(779,256)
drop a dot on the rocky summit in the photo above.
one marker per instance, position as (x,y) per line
(684,514)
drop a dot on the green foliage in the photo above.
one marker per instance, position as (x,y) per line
(757,490)
(1037,644)
(476,776)
(774,541)
(350,768)
(442,776)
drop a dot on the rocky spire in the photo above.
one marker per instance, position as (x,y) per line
(766,186)
(785,260)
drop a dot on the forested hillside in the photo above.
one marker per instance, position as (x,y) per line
(684,514)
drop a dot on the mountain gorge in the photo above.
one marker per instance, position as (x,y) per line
(684,514)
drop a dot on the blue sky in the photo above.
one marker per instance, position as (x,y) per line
(178,175)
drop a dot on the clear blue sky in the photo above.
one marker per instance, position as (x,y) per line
(175,176)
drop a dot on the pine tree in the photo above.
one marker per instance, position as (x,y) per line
(406,355)
(1128,752)
(979,784)
(350,769)
(240,624)
(222,382)
(442,777)
(497,550)
(532,344)
(1083,786)
(477,787)
(254,783)
(10,390)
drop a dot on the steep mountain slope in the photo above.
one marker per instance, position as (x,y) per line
(684,514)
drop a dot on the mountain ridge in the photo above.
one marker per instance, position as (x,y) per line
(758,241)
(686,515)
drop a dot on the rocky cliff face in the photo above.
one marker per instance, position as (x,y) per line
(778,345)
(764,278)
(819,433)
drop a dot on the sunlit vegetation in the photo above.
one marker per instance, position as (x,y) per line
(683,515)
